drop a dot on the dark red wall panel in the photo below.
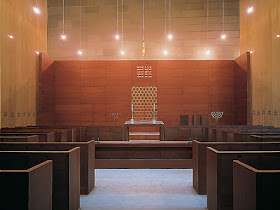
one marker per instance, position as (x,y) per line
(88,92)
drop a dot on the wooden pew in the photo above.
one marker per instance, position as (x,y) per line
(220,174)
(87,157)
(18,138)
(199,157)
(79,132)
(71,132)
(26,186)
(60,135)
(246,136)
(229,135)
(215,131)
(43,137)
(66,173)
(226,134)
(256,186)
(264,138)
(208,131)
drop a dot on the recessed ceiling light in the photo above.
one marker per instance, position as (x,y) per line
(10,36)
(170,36)
(80,52)
(122,52)
(207,52)
(223,36)
(165,52)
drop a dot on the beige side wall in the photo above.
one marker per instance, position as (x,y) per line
(258,33)
(99,26)
(18,60)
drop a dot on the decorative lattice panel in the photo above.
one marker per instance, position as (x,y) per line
(144,72)
(143,99)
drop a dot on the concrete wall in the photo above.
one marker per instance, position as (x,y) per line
(188,25)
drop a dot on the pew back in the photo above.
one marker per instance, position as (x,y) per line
(200,163)
(21,187)
(66,173)
(87,157)
(220,173)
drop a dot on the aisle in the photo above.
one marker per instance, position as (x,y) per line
(143,189)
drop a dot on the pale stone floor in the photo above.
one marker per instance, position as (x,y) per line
(143,189)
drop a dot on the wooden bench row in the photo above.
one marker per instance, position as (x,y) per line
(213,167)
(46,134)
(220,186)
(66,174)
(70,175)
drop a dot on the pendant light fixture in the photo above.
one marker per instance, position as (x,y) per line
(223,36)
(207,17)
(63,35)
(165,52)
(170,36)
(117,36)
(250,8)
(36,9)
(143,47)
(80,51)
(122,50)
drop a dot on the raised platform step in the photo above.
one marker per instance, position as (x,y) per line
(144,136)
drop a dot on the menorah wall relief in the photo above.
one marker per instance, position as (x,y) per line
(217,115)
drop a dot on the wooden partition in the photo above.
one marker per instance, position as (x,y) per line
(246,136)
(42,136)
(66,173)
(200,160)
(256,186)
(220,174)
(60,135)
(88,92)
(26,186)
(143,154)
(18,138)
(265,138)
(69,132)
(87,157)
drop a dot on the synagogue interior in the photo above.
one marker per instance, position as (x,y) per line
(139,104)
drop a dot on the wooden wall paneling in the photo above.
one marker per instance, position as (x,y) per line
(19,61)
(258,34)
(242,90)
(68,93)
(184,87)
(46,92)
(221,76)
(118,91)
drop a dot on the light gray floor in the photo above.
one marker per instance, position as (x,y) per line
(143,189)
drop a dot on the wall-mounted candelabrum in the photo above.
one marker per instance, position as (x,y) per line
(115,115)
(217,115)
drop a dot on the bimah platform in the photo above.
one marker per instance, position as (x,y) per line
(128,124)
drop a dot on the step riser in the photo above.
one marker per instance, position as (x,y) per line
(144,137)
